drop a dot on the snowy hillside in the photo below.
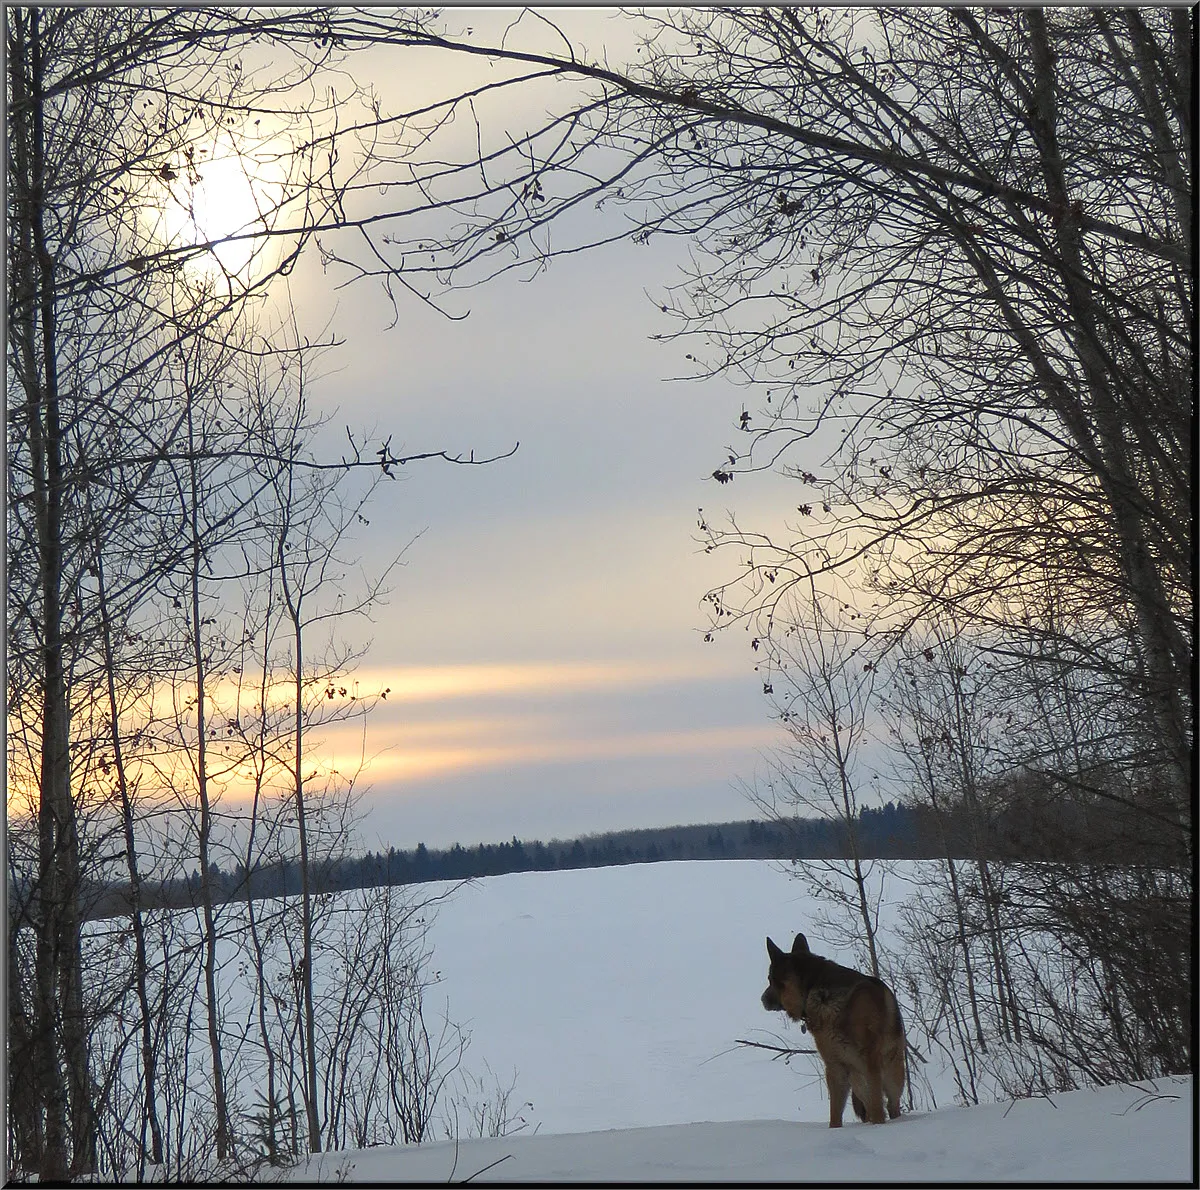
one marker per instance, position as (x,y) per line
(1118,1134)
(617,995)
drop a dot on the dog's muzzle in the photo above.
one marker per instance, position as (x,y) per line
(771,1002)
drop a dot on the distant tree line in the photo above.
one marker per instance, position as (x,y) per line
(1015,825)
(890,831)
(1011,830)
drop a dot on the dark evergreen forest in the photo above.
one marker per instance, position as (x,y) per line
(890,832)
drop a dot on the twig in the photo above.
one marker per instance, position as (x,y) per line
(455,1165)
(780,1051)
(486,1168)
(1147,1098)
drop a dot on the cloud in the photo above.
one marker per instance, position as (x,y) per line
(422,761)
(438,683)
(442,721)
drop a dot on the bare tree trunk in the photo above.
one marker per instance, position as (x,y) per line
(922,763)
(69,1131)
(210,933)
(850,820)
(271,1122)
(959,715)
(270,1095)
(150,1110)
(310,1037)
(26,1136)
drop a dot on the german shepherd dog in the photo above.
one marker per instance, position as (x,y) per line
(855,1021)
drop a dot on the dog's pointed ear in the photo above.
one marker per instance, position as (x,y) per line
(773,951)
(800,945)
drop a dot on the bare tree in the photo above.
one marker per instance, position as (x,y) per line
(115,116)
(309,532)
(961,285)
(951,254)
(819,673)
(1006,959)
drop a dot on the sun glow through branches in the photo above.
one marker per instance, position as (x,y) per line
(225,196)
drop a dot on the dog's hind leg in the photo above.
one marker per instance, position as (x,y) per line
(874,1097)
(868,1090)
(893,1082)
(860,1108)
(837,1079)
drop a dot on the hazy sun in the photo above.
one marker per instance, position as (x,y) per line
(227,200)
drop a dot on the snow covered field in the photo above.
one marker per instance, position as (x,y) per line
(617,995)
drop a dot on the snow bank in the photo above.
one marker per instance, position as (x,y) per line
(1113,1134)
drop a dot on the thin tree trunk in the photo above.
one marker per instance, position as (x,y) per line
(270,1095)
(150,1112)
(960,923)
(272,1121)
(210,934)
(310,1038)
(850,817)
(26,1139)
(969,784)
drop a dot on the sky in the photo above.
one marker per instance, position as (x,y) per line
(546,622)
(546,625)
